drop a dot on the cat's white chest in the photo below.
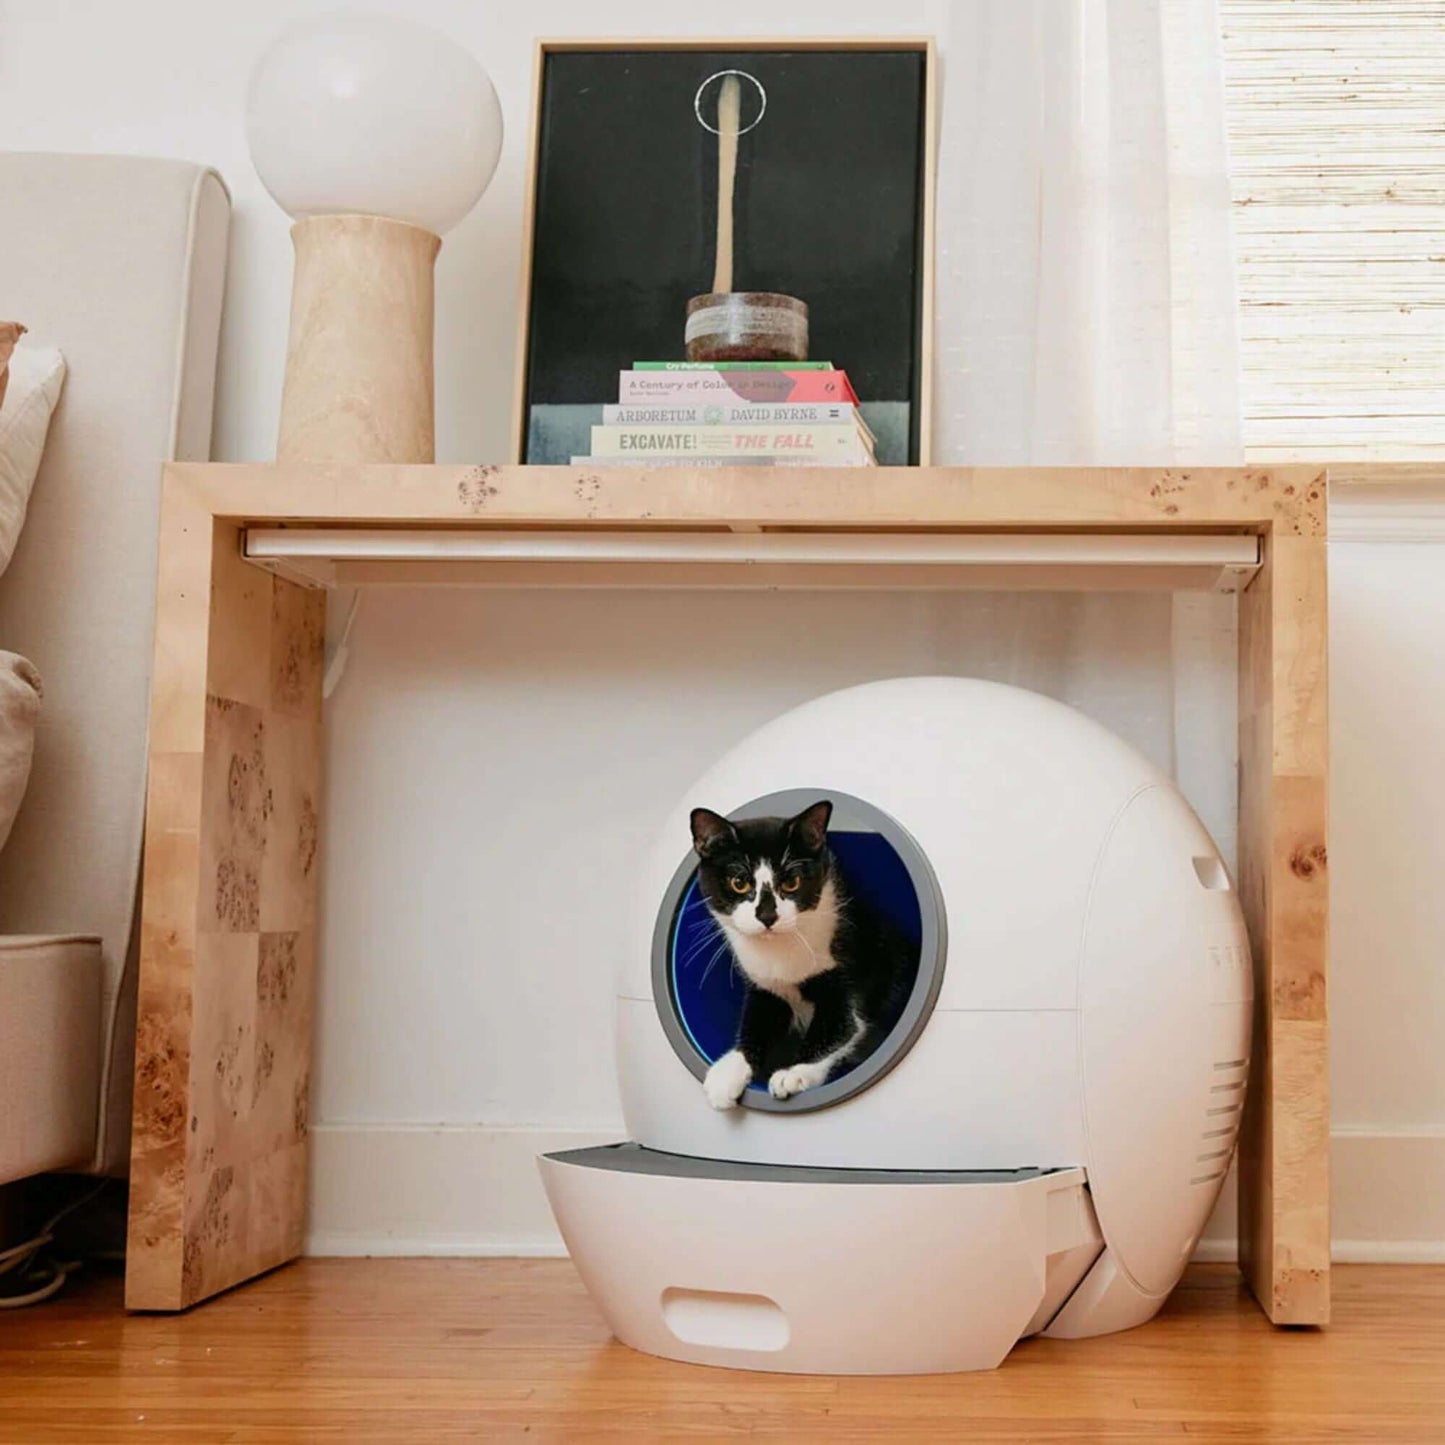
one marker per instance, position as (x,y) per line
(780,971)
(781,962)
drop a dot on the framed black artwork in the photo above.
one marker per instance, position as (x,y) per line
(665,170)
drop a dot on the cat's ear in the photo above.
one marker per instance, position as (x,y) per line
(710,831)
(810,827)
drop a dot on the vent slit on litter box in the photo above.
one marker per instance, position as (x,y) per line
(1231,1064)
(1227,1109)
(1223,1133)
(1217,1154)
(1226,1088)
(1211,873)
(1208,1178)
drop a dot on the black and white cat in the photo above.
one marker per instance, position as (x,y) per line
(827,976)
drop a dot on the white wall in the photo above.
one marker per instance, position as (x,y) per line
(1387,638)
(432,1088)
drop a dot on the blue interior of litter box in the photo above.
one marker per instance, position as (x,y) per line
(708,991)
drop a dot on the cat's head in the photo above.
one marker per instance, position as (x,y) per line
(759,875)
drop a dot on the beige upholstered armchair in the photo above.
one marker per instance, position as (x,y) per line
(120,263)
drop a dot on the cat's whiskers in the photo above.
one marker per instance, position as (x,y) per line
(708,940)
(725,948)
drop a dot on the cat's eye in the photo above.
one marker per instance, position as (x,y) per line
(791,884)
(740,883)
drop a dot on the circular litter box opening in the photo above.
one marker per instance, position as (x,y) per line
(699,991)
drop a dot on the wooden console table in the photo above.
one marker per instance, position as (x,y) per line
(218,1163)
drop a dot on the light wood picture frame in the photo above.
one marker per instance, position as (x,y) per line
(589,307)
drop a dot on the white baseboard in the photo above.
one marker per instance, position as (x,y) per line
(1388,1251)
(1342,1251)
(1388,1197)
(1387,1205)
(1216,1251)
(458,1190)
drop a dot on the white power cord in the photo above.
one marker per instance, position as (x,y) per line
(336,660)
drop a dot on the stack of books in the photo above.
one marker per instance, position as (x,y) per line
(731,414)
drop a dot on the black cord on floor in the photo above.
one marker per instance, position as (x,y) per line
(30,1272)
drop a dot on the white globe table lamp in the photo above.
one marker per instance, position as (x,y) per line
(377,135)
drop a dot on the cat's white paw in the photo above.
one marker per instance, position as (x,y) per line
(787,1082)
(726,1080)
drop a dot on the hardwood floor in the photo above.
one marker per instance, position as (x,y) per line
(364,1351)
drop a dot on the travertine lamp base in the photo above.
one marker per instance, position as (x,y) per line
(359,358)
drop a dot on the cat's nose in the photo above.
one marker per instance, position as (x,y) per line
(767,909)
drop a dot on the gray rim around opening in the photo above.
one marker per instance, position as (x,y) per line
(850,815)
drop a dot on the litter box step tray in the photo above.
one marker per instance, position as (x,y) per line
(820,1271)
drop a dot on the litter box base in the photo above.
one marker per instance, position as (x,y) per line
(821,1271)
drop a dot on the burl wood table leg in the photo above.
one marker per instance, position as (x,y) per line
(1284,1148)
(223,1048)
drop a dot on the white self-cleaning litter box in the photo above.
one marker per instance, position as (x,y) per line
(1039,1140)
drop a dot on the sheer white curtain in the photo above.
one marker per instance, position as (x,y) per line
(1087,314)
